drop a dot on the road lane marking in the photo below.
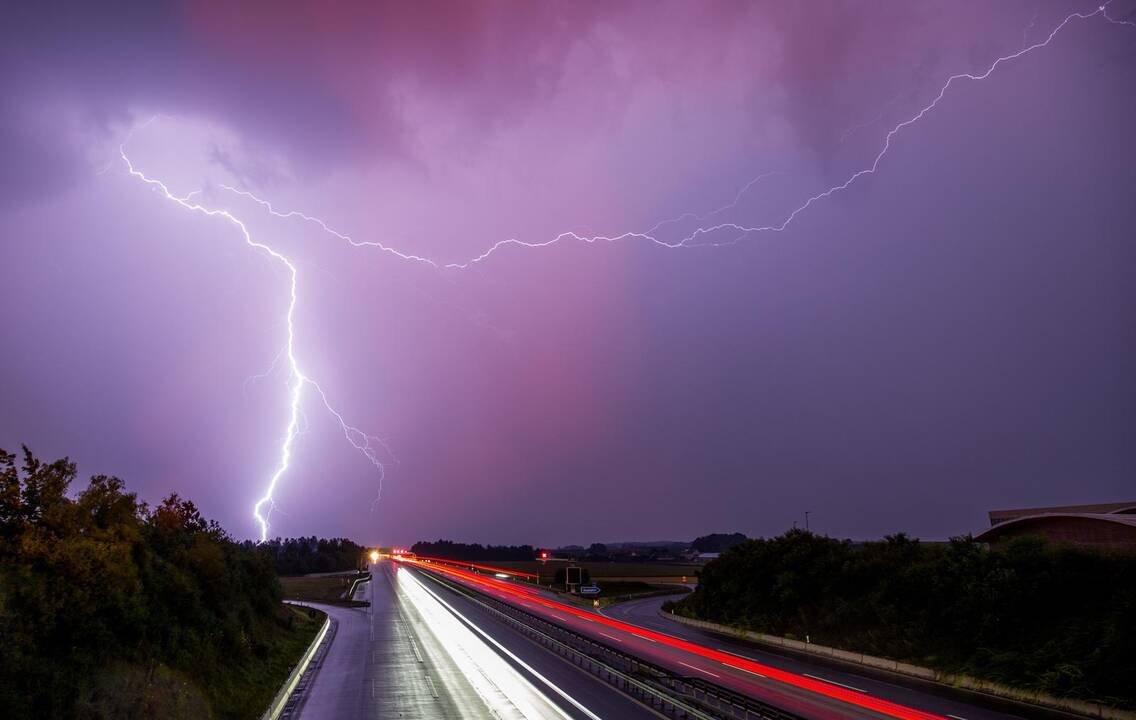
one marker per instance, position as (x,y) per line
(414,647)
(644,637)
(751,672)
(956,717)
(560,617)
(505,651)
(433,690)
(680,662)
(611,636)
(833,682)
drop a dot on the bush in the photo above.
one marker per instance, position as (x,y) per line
(100,594)
(1032,614)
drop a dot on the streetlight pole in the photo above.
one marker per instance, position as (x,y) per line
(807,512)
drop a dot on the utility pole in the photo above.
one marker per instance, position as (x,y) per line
(807,512)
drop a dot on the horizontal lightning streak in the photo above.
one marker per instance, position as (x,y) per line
(738,231)
(369,445)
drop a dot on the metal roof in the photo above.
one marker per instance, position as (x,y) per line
(1121,519)
(1001,516)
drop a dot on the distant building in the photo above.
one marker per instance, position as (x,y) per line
(1105,525)
(707,557)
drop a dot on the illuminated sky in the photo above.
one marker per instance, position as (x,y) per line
(948,335)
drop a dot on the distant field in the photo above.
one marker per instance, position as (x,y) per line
(655,571)
(316,588)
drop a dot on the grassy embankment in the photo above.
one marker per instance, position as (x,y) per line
(246,689)
(112,608)
(327,589)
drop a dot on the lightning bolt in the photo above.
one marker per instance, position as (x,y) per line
(738,231)
(368,445)
(701,236)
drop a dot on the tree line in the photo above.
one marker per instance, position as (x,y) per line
(472,552)
(1031,614)
(303,555)
(111,609)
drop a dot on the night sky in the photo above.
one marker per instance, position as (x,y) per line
(951,334)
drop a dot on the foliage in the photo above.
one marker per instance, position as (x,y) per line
(717,542)
(474,552)
(104,601)
(300,556)
(1031,614)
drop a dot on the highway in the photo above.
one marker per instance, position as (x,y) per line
(422,651)
(943,701)
(807,689)
(425,650)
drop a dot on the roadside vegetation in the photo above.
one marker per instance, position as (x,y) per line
(472,552)
(1030,614)
(304,555)
(321,588)
(112,609)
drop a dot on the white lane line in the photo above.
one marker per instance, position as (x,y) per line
(559,617)
(680,662)
(501,648)
(956,717)
(433,690)
(414,647)
(833,682)
(611,636)
(751,672)
(643,637)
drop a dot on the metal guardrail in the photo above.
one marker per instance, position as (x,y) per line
(349,594)
(276,707)
(664,691)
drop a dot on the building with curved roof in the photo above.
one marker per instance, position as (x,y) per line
(1106,525)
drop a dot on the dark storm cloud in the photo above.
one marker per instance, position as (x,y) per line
(950,334)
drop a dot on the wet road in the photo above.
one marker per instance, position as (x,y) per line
(944,701)
(423,651)
(811,690)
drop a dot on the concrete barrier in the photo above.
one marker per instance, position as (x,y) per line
(965,682)
(349,594)
(276,707)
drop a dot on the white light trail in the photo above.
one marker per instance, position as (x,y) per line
(504,690)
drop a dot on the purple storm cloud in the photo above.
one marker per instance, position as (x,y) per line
(949,333)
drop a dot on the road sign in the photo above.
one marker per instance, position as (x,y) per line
(589,590)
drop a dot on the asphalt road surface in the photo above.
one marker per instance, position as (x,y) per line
(927,696)
(812,690)
(423,651)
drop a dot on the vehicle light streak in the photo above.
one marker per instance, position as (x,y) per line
(493,678)
(826,689)
(487,568)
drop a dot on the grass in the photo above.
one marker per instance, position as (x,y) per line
(323,589)
(236,687)
(615,591)
(244,691)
